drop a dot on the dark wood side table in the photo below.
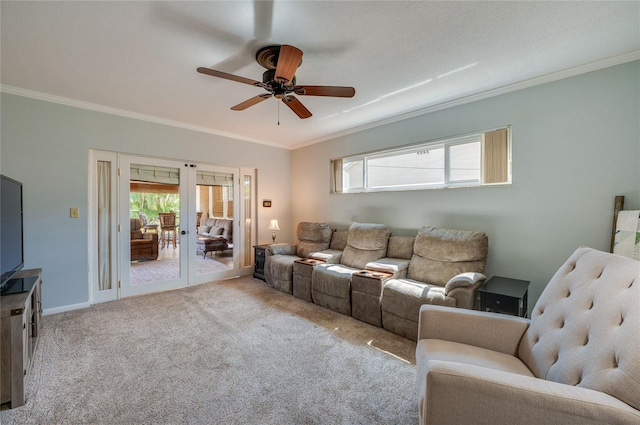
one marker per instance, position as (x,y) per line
(504,295)
(258,265)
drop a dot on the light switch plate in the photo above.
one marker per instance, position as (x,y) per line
(74,212)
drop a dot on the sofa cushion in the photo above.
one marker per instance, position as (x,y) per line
(215,231)
(404,297)
(339,240)
(440,254)
(366,242)
(204,230)
(312,237)
(400,247)
(225,223)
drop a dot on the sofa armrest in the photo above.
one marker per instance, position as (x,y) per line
(465,280)
(493,331)
(396,266)
(329,256)
(460,393)
(280,249)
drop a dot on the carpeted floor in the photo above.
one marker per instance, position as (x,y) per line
(229,352)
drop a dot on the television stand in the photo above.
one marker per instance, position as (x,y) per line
(20,320)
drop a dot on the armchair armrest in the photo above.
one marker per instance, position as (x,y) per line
(493,331)
(280,249)
(462,394)
(396,266)
(152,236)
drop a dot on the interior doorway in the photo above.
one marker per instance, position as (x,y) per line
(160,224)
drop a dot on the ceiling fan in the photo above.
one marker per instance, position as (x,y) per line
(279,80)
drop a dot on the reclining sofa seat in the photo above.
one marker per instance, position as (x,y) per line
(446,268)
(302,272)
(575,362)
(366,289)
(279,258)
(331,283)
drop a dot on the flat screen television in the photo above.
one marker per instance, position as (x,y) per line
(11,229)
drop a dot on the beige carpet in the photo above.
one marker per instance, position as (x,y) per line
(231,352)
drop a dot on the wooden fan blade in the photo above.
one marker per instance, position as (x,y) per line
(333,91)
(250,102)
(227,76)
(296,106)
(289,60)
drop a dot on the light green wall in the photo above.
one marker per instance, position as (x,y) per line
(576,144)
(46,147)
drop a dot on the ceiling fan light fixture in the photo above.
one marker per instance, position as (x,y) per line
(279,80)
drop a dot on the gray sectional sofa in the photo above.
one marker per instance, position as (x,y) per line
(378,278)
(215,234)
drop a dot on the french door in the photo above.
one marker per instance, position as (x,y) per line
(135,253)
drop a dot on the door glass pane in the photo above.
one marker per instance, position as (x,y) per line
(154,216)
(214,206)
(104,225)
(246,193)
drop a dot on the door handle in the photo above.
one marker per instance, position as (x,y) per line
(184,232)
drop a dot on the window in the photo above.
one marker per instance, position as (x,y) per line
(471,160)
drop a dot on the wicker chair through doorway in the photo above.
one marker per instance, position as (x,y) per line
(168,228)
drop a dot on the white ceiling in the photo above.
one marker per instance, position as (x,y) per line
(139,58)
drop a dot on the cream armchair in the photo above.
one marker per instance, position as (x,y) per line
(577,361)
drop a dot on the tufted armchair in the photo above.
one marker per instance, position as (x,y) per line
(577,361)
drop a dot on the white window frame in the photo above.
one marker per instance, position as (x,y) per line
(446,144)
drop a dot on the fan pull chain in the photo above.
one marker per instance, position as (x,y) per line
(278,113)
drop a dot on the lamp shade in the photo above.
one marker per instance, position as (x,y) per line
(273,225)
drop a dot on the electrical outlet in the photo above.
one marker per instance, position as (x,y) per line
(74,212)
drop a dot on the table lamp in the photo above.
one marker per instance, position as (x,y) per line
(273,226)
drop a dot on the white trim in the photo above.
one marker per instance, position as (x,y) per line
(65,308)
(554,76)
(124,113)
(544,79)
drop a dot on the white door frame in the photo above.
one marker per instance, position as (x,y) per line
(195,278)
(126,288)
(244,229)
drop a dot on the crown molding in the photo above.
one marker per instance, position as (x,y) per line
(124,113)
(544,79)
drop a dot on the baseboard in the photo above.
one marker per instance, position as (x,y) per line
(70,307)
